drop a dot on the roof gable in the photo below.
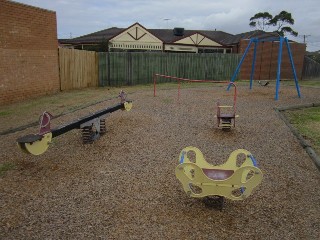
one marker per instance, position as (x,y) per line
(198,40)
(136,33)
(235,39)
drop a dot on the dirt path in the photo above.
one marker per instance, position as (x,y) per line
(123,186)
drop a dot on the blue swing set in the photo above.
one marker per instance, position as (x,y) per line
(256,41)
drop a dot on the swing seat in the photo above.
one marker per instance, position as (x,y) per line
(201,179)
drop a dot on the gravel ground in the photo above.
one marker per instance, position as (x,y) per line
(123,186)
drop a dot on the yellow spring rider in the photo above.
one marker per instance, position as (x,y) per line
(201,179)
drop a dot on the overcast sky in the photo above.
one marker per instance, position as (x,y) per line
(80,17)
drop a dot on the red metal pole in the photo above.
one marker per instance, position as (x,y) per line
(154,85)
(234,96)
(178,90)
(188,80)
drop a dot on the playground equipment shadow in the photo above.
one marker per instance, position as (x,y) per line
(123,186)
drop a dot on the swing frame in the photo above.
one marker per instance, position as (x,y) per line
(256,41)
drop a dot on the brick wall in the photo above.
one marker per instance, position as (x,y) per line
(267,60)
(28,52)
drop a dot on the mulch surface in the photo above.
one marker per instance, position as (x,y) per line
(123,186)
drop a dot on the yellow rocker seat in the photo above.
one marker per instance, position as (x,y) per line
(201,179)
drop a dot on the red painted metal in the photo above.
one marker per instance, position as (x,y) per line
(219,117)
(155,76)
(44,121)
(179,91)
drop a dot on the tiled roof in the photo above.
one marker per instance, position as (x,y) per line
(234,39)
(95,37)
(167,36)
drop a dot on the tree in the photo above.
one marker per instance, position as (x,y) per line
(280,21)
(263,20)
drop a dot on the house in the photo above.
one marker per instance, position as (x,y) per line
(138,38)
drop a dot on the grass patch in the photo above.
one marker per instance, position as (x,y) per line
(303,83)
(4,113)
(4,167)
(307,121)
(56,102)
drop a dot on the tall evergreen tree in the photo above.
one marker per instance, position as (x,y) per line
(263,20)
(281,21)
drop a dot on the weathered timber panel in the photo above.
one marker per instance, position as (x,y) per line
(78,69)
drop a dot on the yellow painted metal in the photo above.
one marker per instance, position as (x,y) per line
(37,147)
(201,179)
(127,106)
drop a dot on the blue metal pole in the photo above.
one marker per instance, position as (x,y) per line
(293,68)
(253,63)
(239,65)
(279,68)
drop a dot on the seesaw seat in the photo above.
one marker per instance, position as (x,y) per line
(34,143)
(201,179)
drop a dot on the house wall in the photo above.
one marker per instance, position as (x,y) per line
(136,37)
(199,40)
(267,60)
(28,52)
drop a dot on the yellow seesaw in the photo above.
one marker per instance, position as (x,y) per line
(93,126)
(201,179)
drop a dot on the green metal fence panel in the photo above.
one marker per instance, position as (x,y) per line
(311,69)
(102,57)
(133,68)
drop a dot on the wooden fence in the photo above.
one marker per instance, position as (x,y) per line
(132,68)
(311,69)
(78,69)
(81,69)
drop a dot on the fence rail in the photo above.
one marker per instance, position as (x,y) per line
(78,69)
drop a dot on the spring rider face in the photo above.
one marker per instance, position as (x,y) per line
(203,180)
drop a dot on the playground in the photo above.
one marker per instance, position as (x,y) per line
(123,186)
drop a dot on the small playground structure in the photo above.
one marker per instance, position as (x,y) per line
(93,126)
(229,180)
(256,41)
(226,114)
